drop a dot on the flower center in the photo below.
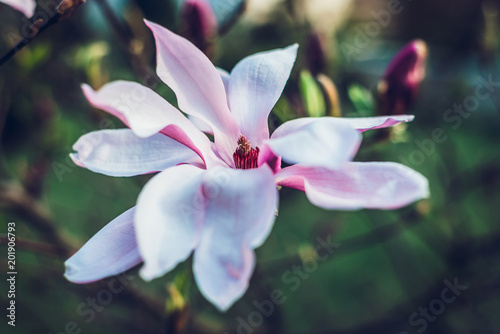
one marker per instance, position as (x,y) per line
(245,157)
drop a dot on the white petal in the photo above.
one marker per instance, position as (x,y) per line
(256,83)
(200,125)
(359,123)
(111,251)
(370,123)
(240,213)
(225,76)
(375,185)
(169,219)
(197,84)
(147,113)
(319,142)
(122,153)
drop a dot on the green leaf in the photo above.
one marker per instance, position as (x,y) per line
(312,95)
(362,99)
(284,111)
(35,56)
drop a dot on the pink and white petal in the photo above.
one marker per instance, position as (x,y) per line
(256,83)
(121,153)
(147,113)
(240,212)
(197,84)
(370,123)
(27,7)
(267,156)
(111,251)
(319,142)
(373,185)
(169,219)
(226,77)
(359,123)
(200,125)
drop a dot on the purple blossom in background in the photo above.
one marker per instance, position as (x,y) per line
(400,84)
(199,24)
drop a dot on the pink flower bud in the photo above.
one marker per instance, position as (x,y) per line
(199,24)
(399,86)
(316,53)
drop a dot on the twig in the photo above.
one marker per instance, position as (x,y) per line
(64,10)
(32,246)
(17,199)
(354,244)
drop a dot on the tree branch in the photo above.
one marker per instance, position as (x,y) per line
(63,11)
(17,199)
(354,244)
(32,246)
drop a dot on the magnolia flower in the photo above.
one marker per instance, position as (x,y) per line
(219,199)
(27,7)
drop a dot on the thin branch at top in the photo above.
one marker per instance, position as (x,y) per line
(63,11)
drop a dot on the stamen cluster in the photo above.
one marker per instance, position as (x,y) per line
(245,157)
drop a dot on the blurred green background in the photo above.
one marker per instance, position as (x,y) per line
(388,264)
